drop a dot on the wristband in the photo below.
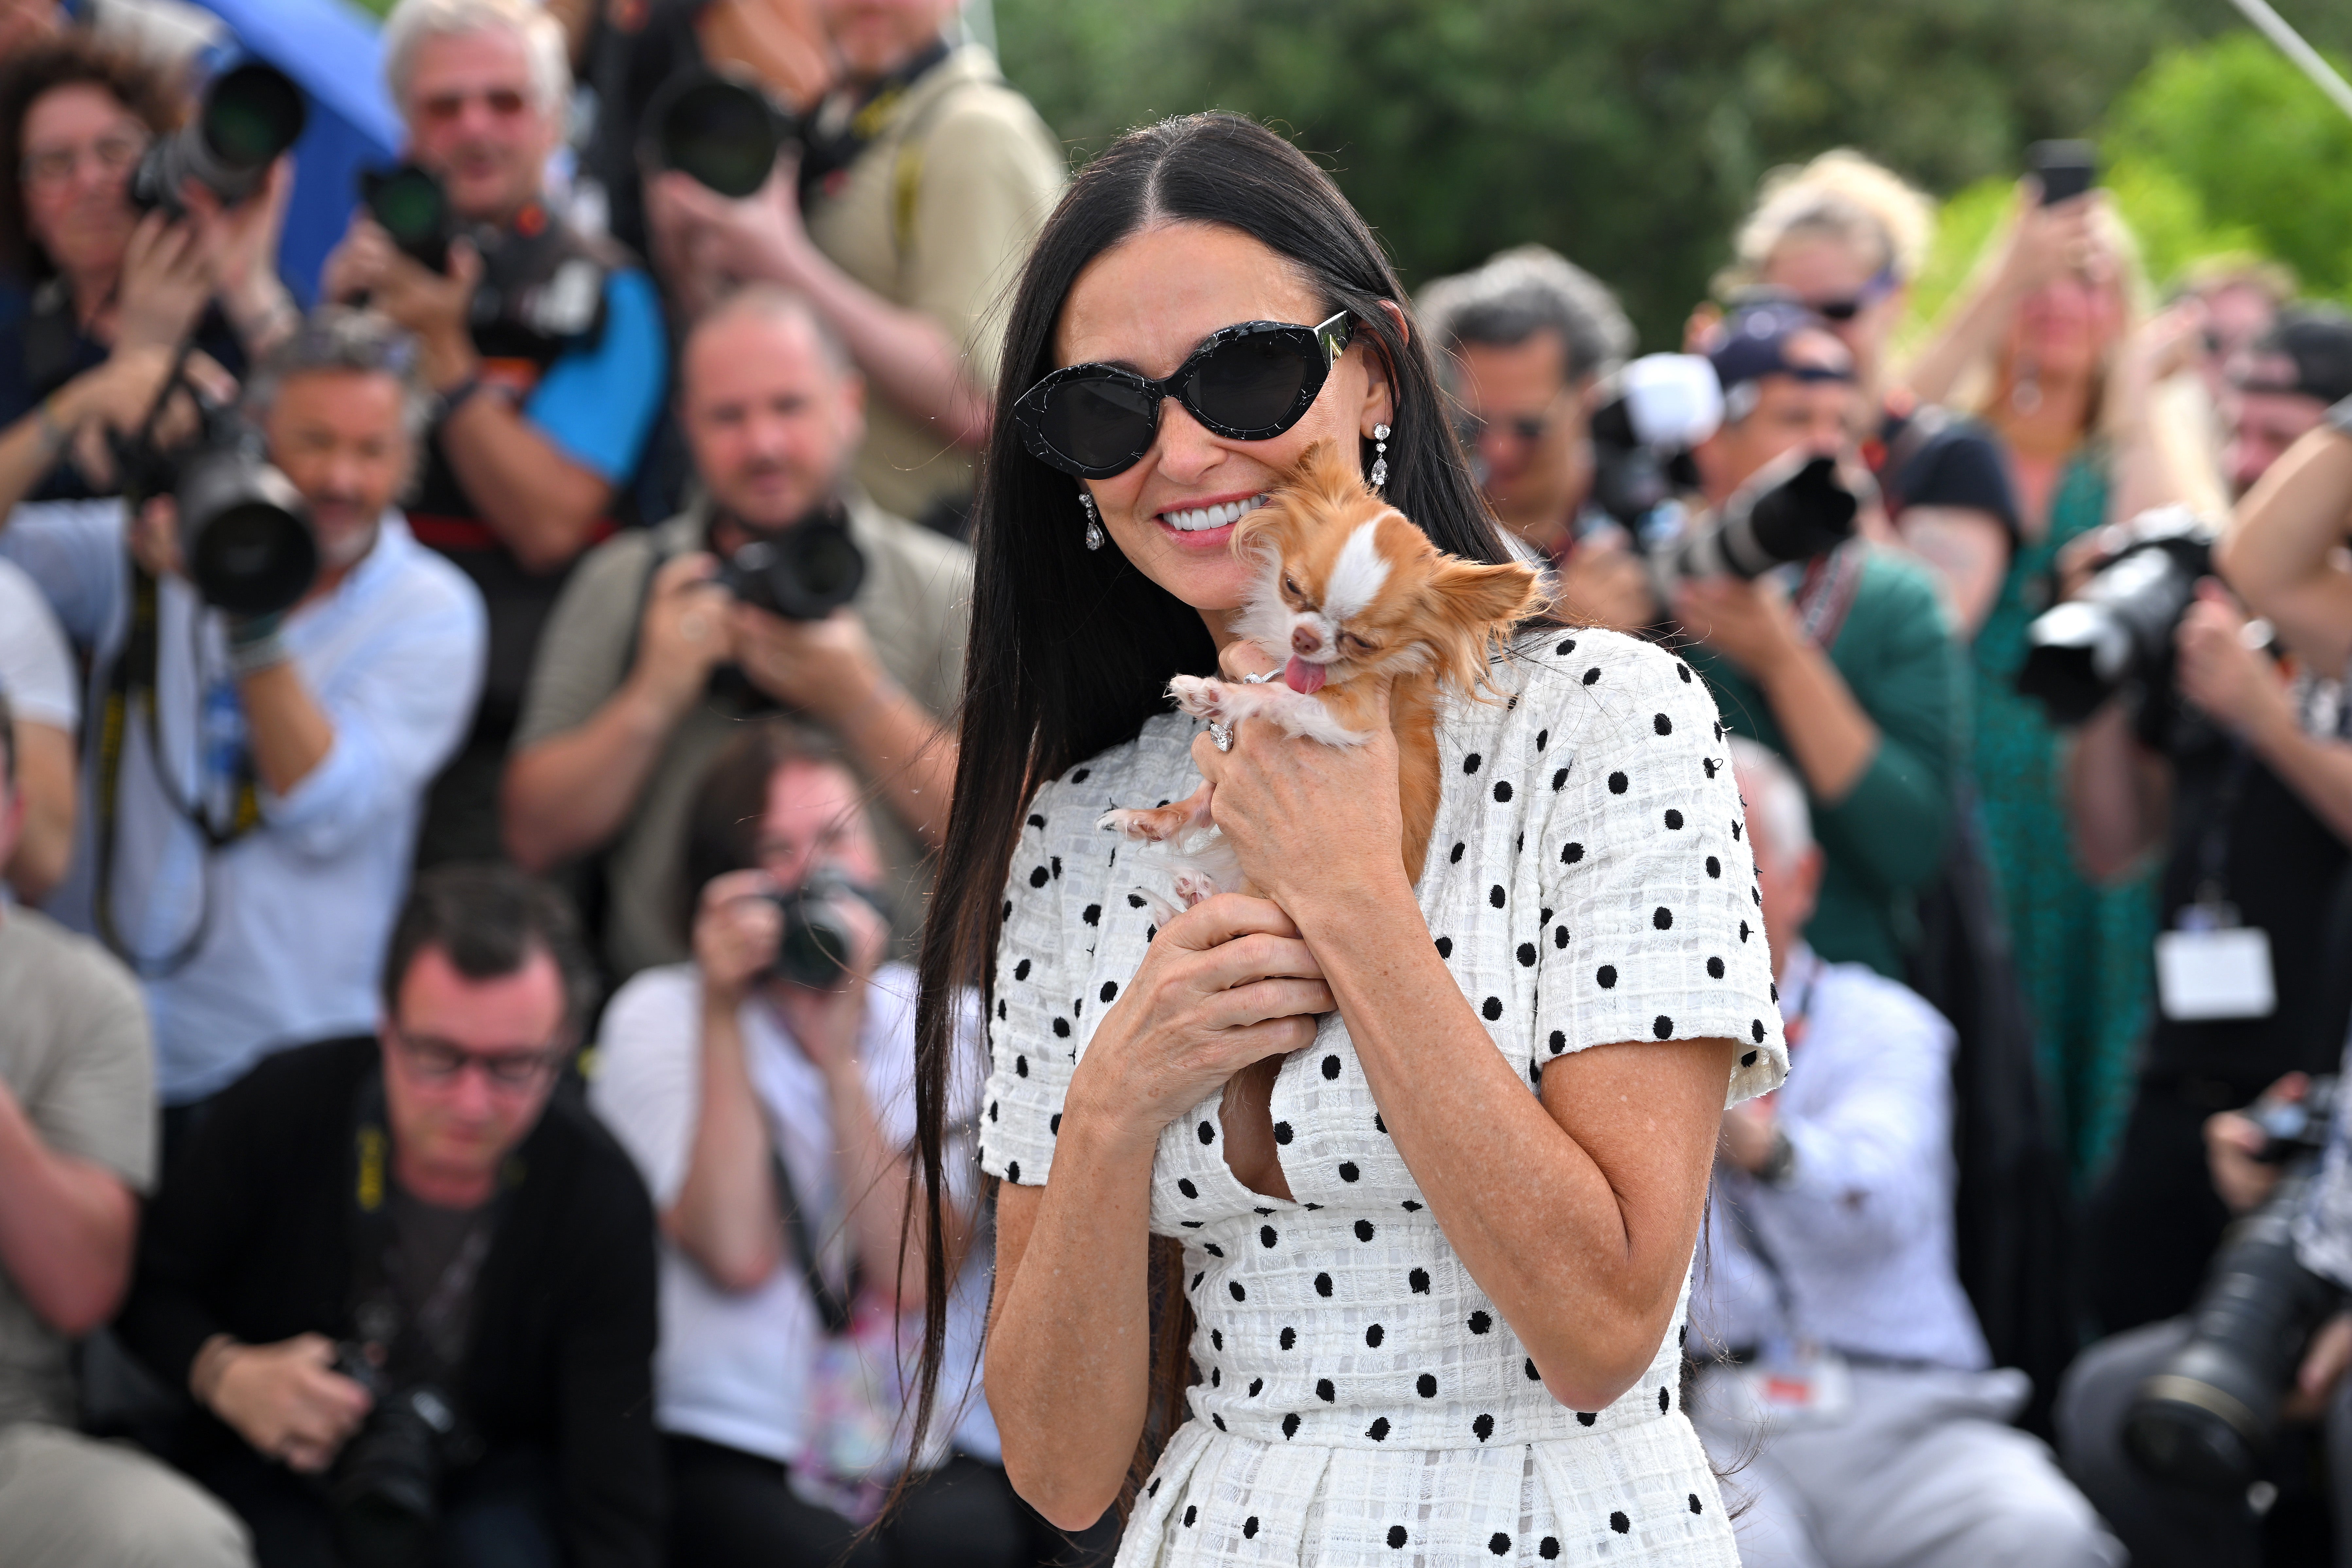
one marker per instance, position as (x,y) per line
(457,395)
(255,645)
(54,435)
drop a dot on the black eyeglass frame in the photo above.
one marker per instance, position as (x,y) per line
(1320,347)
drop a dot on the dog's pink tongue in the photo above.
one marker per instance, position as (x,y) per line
(1301,676)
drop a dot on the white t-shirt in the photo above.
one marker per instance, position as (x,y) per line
(733,1367)
(36,669)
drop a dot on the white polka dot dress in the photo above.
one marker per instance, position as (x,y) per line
(1361,1400)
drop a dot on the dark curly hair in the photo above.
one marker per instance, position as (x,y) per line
(66,60)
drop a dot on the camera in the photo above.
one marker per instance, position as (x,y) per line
(249,116)
(724,133)
(1795,507)
(385,1488)
(1665,406)
(2119,632)
(245,531)
(819,937)
(544,280)
(803,572)
(2206,1419)
(409,204)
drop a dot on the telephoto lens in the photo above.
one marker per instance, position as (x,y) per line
(725,134)
(408,203)
(249,116)
(245,531)
(802,572)
(1794,509)
(2119,631)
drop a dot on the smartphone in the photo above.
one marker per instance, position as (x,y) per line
(2066,169)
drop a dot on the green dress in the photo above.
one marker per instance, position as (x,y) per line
(2082,953)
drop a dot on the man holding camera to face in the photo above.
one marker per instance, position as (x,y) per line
(785,588)
(409,1284)
(546,349)
(259,740)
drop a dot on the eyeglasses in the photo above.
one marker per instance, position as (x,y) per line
(505,102)
(114,154)
(440,1062)
(1846,310)
(1246,383)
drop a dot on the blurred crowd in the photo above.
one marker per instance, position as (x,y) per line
(470,751)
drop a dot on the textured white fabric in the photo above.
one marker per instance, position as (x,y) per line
(36,669)
(1588,881)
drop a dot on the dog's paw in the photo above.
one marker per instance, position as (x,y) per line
(1199,696)
(1162,912)
(1151,826)
(1191,887)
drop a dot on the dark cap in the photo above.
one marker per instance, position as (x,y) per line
(1752,341)
(2316,341)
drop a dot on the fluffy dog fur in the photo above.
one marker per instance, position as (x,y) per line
(1350,594)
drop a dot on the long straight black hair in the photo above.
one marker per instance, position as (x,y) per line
(1072,649)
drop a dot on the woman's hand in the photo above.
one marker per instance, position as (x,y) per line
(2045,242)
(1225,984)
(736,928)
(238,246)
(166,285)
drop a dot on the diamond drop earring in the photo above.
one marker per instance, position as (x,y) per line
(1094,518)
(1379,457)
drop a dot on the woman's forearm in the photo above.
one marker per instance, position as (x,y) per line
(1069,1337)
(724,1215)
(1831,739)
(1614,1187)
(2279,551)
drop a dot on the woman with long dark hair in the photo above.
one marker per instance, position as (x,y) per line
(1420,1169)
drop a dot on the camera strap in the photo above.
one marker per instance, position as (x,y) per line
(132,683)
(1826,595)
(832,1305)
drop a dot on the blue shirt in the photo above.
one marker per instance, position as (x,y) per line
(598,404)
(294,916)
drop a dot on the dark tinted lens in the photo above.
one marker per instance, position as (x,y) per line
(253,559)
(1100,424)
(1838,309)
(253,115)
(408,205)
(723,136)
(1253,382)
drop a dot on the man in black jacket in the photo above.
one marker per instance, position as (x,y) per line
(360,1220)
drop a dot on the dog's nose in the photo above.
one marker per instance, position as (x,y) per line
(1305,640)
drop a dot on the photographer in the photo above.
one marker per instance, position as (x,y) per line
(920,182)
(650,665)
(411,1286)
(252,783)
(2237,766)
(114,293)
(1856,1371)
(546,349)
(1846,665)
(766,1091)
(1530,337)
(76,1147)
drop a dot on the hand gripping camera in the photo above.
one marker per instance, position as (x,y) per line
(725,134)
(249,115)
(2119,632)
(819,939)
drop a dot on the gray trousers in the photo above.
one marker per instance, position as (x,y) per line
(1923,1471)
(2164,1525)
(69,1501)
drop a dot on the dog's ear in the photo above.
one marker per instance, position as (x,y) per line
(1269,532)
(1324,472)
(1477,604)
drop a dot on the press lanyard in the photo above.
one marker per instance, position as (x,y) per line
(2212,909)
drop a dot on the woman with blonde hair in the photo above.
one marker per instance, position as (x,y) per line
(2050,346)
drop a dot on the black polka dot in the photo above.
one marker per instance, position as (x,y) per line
(1249,1528)
(1592,675)
(1663,1027)
(1618,784)
(1418,1282)
(1213,1250)
(991,1110)
(1289,1336)
(1454,856)
(1008,909)
(1673,821)
(1411,1207)
(1560,937)
(1013,1170)
(1542,737)
(999,1009)
(1062,1028)
(1715,969)
(1526,960)
(1498,1544)
(1445,947)
(1266,1235)
(1080,777)
(1020,1067)
(1184,1185)
(1397,1536)
(1710,764)
(1057,860)
(1290,1424)
(1587,1418)
(1208,1133)
(1363,1230)
(1192,1512)
(1324,1391)
(1323,1285)
(1217,1338)
(1605,976)
(1666,1401)
(1093,915)
(1348,1172)
(1663,918)
(1235,1286)
(1714,867)
(1743,930)
(1494,895)
(1748,1060)
(1684,670)
(1134,900)
(1570,853)
(1483,1428)
(1374,1335)
(1216,1377)
(1502,791)
(1425,1385)
(1379,1430)
(1735,827)
(1282,1132)
(1621,1524)
(1035,820)
(1694,1507)
(1756,1030)
(1039,876)
(1558,778)
(1053,1124)
(1110,990)
(1481,1321)
(1548,1549)
(1662,724)
(1533,1376)
(1492,1009)
(1470,762)
(1330,1067)
(1021,969)
(1379,1125)
(1567,648)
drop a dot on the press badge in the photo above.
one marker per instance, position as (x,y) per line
(1801,1385)
(2212,967)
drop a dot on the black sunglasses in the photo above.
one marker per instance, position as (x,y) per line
(1246,383)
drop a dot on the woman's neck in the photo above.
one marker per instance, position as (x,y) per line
(2054,422)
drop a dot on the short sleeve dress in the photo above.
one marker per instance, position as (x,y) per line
(1361,1400)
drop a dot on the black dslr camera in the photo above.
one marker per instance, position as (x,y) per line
(819,935)
(803,572)
(725,134)
(2207,1420)
(245,531)
(385,1488)
(249,115)
(2119,633)
(547,282)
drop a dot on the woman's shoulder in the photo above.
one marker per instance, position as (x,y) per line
(1571,678)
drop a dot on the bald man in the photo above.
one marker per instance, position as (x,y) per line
(650,664)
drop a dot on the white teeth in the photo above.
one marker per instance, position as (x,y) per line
(1202,519)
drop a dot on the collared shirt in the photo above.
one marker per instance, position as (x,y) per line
(1855,1251)
(294,916)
